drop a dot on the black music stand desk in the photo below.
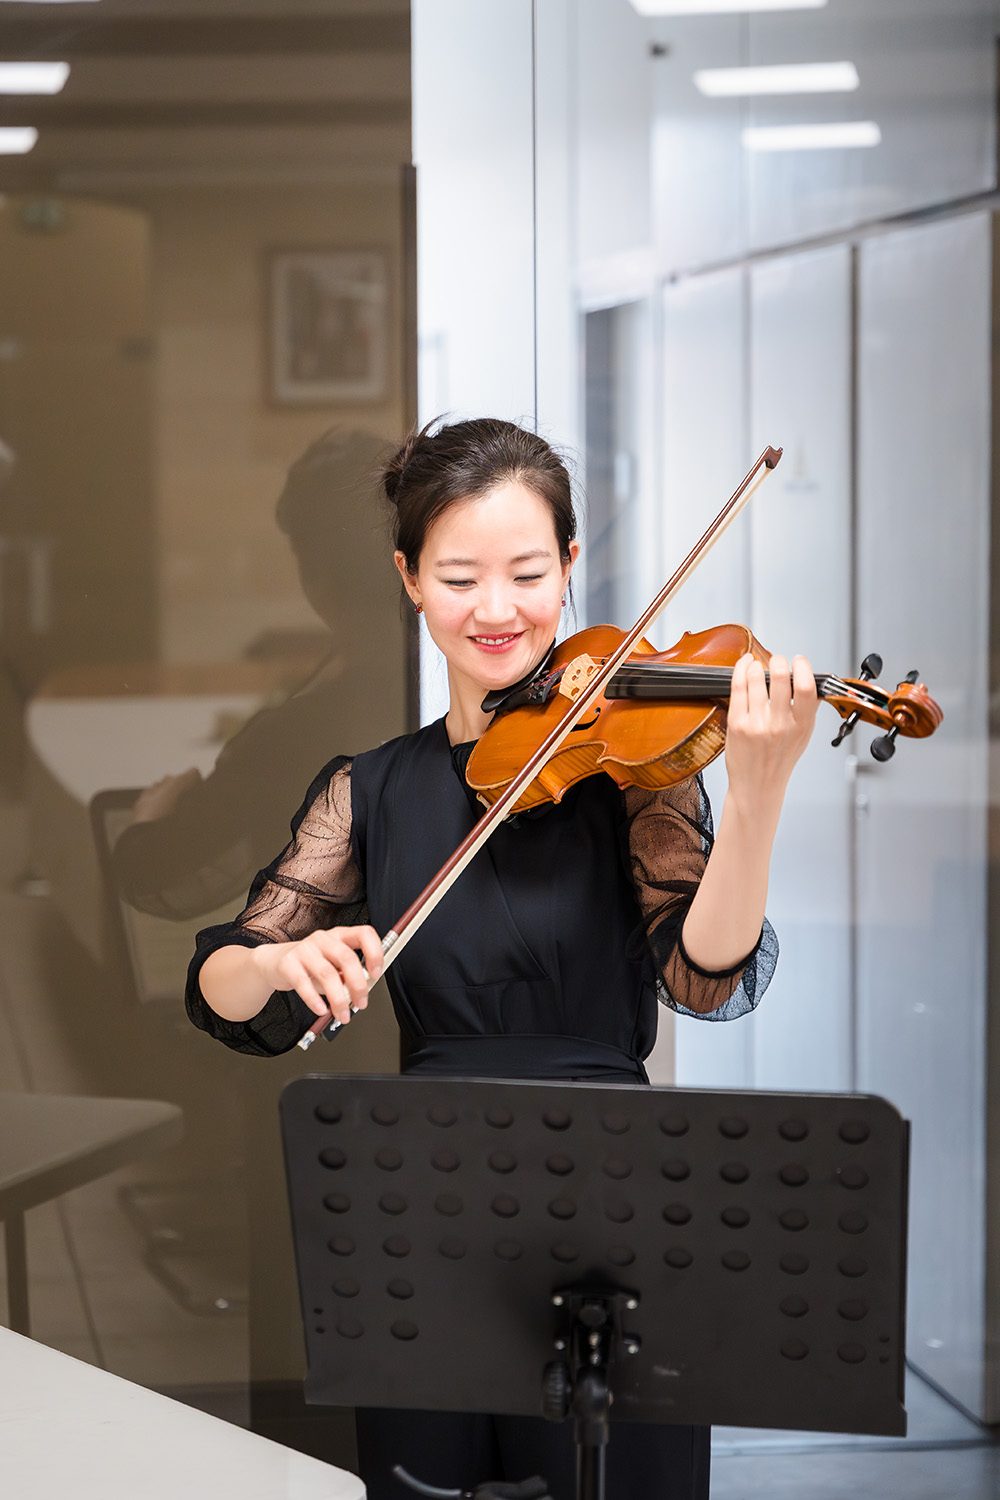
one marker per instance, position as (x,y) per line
(487,1245)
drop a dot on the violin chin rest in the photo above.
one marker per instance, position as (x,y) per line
(498,697)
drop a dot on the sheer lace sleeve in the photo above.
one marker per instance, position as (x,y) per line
(669,839)
(314,883)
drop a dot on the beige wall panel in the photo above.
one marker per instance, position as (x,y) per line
(222,449)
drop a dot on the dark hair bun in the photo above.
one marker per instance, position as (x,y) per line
(394,469)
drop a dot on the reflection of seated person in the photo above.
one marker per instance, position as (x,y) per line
(194,843)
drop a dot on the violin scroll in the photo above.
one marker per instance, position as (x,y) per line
(910,710)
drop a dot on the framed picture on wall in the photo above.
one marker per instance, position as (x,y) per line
(328,326)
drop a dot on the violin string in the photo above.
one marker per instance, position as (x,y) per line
(704,678)
(707,678)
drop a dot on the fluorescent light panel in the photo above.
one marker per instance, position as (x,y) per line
(789,78)
(845,133)
(33,77)
(15,140)
(719,7)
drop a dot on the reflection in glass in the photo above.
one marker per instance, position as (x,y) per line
(179,658)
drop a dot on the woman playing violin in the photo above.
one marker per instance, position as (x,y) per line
(548,957)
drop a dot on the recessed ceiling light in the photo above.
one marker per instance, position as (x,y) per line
(32,77)
(811,137)
(788,78)
(718,7)
(15,140)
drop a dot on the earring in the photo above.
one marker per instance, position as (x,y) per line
(419,608)
(564,598)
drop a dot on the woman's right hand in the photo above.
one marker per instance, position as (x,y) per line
(324,968)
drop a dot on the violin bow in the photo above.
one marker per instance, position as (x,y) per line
(407,926)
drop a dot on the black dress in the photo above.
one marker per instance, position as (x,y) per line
(545,960)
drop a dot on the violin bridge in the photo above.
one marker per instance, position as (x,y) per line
(576,676)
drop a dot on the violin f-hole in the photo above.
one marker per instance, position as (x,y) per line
(586,723)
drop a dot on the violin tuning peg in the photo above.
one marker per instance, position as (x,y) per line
(911,677)
(845,729)
(884,748)
(870,667)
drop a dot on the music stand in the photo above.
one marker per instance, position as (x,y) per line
(526,1248)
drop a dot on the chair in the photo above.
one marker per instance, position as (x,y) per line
(192,1229)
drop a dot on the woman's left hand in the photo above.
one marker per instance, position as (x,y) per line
(767,731)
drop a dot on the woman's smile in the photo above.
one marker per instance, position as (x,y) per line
(496,645)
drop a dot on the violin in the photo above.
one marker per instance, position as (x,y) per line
(661,716)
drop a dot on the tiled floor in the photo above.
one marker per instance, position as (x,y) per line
(939,1474)
(945,1456)
(95,1298)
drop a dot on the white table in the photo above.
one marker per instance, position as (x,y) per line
(50,1143)
(69,1428)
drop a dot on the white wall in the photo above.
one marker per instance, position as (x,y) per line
(626,184)
(923,592)
(801,553)
(473,133)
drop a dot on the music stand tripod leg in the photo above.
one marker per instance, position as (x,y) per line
(591,1404)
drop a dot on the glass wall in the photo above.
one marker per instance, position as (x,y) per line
(207,260)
